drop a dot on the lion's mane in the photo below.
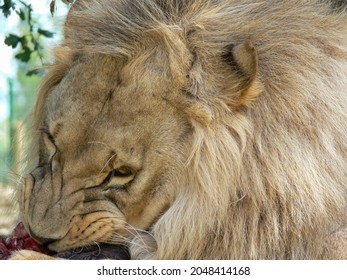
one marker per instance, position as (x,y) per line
(268,179)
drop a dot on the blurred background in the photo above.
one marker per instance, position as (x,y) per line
(29,30)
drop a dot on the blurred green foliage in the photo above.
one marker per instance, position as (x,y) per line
(30,41)
(30,50)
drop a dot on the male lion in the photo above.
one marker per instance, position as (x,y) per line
(193,129)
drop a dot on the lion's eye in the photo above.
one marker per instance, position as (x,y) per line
(118,178)
(123,171)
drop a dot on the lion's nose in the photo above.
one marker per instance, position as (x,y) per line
(43,241)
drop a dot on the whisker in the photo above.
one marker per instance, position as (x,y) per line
(117,238)
(107,162)
(105,144)
(137,230)
(99,249)
(136,237)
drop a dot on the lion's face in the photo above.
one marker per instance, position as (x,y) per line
(116,135)
(110,152)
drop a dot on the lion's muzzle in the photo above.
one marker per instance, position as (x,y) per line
(47,210)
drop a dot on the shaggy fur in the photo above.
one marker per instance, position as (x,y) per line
(262,88)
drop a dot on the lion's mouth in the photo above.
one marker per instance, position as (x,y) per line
(21,240)
(96,252)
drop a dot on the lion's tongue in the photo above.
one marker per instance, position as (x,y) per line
(96,252)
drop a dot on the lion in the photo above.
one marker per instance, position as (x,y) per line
(193,129)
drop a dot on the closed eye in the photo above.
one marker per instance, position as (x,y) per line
(48,147)
(48,135)
(119,178)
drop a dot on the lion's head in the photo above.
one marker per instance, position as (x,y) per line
(192,129)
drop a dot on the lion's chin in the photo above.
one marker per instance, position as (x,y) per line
(96,252)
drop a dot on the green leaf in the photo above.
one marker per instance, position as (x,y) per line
(12,40)
(24,55)
(7,6)
(21,14)
(24,42)
(45,33)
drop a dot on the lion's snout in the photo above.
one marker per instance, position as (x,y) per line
(58,212)
(47,211)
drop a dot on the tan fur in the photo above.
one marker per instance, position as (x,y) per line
(237,152)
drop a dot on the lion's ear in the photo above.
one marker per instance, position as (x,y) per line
(244,86)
